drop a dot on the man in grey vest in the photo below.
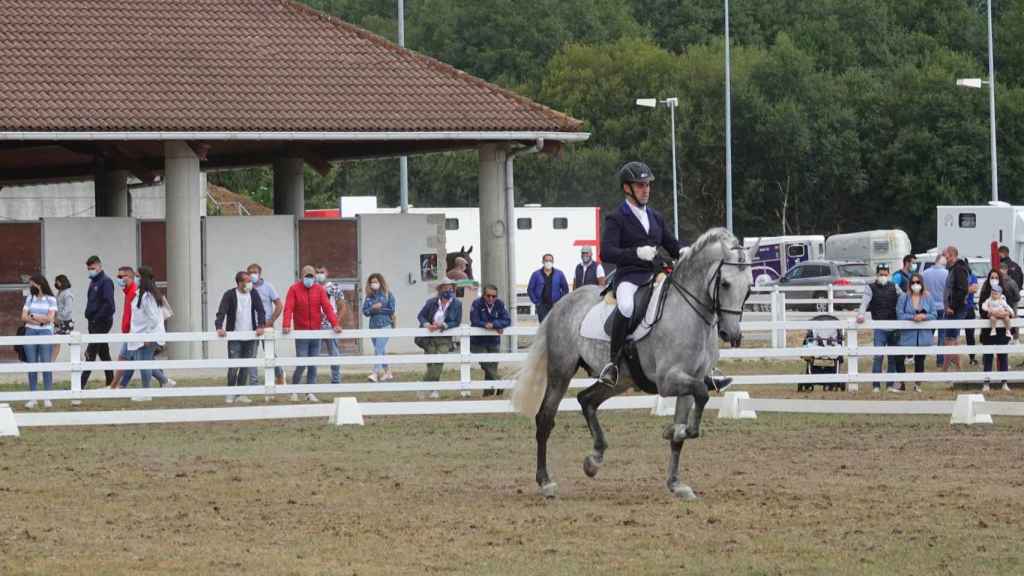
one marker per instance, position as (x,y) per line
(588,272)
(880,298)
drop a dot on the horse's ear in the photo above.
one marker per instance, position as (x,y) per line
(753,250)
(470,251)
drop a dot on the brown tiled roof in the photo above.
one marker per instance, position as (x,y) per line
(235,66)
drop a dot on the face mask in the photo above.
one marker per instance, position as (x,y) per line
(247,287)
(549,265)
(120,282)
(448,294)
(915,288)
(883,279)
(34,290)
(307,282)
(321,278)
(255,276)
(374,285)
(993,282)
(93,273)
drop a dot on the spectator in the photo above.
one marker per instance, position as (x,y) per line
(969,333)
(439,313)
(240,312)
(379,307)
(148,322)
(916,305)
(489,313)
(38,314)
(994,278)
(935,285)
(997,308)
(126,281)
(547,286)
(304,304)
(458,271)
(65,324)
(272,307)
(1011,289)
(1013,269)
(99,312)
(880,299)
(957,289)
(588,272)
(334,296)
(901,279)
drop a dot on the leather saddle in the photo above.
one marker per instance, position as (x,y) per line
(641,301)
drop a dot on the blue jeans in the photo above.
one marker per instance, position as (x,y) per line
(36,353)
(158,374)
(380,348)
(940,314)
(240,349)
(144,353)
(306,349)
(333,350)
(885,338)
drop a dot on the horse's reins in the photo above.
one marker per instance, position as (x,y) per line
(707,312)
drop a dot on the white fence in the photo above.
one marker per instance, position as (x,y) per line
(851,349)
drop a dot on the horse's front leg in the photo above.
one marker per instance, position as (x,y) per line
(590,399)
(700,398)
(676,434)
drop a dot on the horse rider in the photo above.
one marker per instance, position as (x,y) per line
(630,240)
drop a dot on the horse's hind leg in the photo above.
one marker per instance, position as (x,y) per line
(684,404)
(545,421)
(590,399)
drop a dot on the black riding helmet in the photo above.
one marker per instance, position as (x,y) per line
(635,172)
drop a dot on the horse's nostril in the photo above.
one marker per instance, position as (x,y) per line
(723,335)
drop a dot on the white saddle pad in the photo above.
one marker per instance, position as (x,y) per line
(593,322)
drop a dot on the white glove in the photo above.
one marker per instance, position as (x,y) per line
(646,253)
(684,251)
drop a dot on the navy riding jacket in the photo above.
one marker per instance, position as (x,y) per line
(623,234)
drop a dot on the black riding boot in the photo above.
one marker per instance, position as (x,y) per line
(719,383)
(620,329)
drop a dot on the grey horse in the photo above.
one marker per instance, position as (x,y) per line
(704,302)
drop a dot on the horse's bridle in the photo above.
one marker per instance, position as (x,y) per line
(709,312)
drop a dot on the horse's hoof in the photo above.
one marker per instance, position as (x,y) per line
(693,434)
(549,491)
(683,492)
(591,465)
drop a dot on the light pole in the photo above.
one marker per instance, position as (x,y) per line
(728,126)
(403,162)
(671,103)
(977,83)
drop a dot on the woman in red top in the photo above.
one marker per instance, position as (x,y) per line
(305,302)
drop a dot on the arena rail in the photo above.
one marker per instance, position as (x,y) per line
(465,359)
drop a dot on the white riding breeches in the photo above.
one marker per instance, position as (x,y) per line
(624,293)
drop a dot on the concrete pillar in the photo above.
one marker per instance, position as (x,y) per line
(111,188)
(289,187)
(184,200)
(493,263)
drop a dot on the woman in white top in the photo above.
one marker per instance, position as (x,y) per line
(38,314)
(147,318)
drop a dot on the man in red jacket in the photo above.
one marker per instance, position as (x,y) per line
(305,302)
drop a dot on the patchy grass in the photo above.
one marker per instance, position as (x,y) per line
(785,494)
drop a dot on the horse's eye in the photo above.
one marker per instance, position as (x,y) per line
(726,285)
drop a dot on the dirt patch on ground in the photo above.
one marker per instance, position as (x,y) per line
(785,494)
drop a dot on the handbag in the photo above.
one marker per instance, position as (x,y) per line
(18,348)
(166,310)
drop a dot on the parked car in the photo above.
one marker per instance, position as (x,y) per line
(847,279)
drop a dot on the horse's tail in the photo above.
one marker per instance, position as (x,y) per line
(532,378)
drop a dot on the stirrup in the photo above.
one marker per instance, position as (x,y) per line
(609,375)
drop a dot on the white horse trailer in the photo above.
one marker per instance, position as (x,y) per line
(559,231)
(872,247)
(972,229)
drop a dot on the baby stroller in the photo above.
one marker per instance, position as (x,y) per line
(823,364)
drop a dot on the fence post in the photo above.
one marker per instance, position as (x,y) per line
(773,306)
(75,358)
(465,362)
(831,299)
(269,354)
(852,366)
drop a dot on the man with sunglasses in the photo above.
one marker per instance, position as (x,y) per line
(490,313)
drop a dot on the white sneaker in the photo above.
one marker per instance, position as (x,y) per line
(917,387)
(875,390)
(388,376)
(373,377)
(141,398)
(895,389)
(294,398)
(171,383)
(1006,387)
(76,402)
(243,400)
(229,399)
(435,394)
(47,404)
(268,398)
(312,397)
(465,393)
(30,404)
(986,387)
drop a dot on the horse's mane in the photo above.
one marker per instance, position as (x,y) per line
(709,238)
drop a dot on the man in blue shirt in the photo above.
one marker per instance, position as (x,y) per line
(489,313)
(546,287)
(99,311)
